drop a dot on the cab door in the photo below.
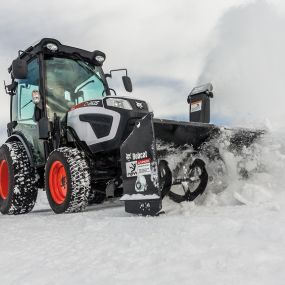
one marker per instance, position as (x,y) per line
(25,110)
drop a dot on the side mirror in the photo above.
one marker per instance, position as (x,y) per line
(11,88)
(127,83)
(19,69)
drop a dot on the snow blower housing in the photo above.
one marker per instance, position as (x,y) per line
(70,135)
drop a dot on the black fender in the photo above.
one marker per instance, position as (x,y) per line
(18,136)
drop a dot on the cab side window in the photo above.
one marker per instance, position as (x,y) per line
(25,88)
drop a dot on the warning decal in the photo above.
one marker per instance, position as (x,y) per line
(196,106)
(138,167)
(143,166)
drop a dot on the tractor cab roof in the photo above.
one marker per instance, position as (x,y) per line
(54,47)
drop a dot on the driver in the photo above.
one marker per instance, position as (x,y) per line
(56,100)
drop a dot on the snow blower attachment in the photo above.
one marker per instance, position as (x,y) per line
(154,144)
(70,134)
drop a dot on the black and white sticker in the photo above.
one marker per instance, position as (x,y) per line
(196,106)
(131,168)
(94,103)
(138,167)
(141,185)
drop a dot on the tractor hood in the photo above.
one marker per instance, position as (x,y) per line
(104,124)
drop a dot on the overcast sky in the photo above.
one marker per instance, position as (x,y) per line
(168,46)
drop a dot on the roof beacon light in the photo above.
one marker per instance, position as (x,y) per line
(52,47)
(99,58)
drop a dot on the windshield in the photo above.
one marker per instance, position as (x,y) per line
(70,82)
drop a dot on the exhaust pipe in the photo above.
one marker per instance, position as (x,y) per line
(199,101)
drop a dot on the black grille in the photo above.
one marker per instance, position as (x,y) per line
(101,124)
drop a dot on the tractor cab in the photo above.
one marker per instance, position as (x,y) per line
(70,82)
(69,74)
(48,80)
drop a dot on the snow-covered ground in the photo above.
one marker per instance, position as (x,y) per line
(217,241)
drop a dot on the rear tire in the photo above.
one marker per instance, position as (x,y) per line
(18,188)
(67,180)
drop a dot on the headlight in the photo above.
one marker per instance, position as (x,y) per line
(119,103)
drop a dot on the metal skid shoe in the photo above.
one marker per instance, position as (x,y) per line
(140,170)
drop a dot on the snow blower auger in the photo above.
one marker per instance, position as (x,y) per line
(72,136)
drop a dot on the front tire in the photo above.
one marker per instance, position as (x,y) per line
(67,180)
(18,188)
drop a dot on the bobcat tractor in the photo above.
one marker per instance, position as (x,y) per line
(73,136)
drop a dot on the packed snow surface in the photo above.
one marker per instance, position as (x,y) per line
(234,234)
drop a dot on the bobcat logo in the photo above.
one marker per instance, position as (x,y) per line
(139,105)
(93,103)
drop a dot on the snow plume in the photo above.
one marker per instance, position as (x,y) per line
(252,175)
(247,66)
(238,174)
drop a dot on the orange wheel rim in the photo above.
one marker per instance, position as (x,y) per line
(58,182)
(4,179)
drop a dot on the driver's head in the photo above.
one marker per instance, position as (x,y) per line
(58,89)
